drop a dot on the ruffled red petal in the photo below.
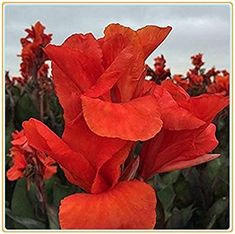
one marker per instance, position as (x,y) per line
(207,106)
(110,171)
(67,92)
(188,163)
(82,66)
(172,149)
(43,139)
(126,70)
(129,205)
(173,115)
(151,37)
(138,119)
(97,150)
(19,164)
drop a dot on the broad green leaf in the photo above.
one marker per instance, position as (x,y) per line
(24,222)
(21,205)
(170,178)
(167,196)
(52,214)
(8,138)
(180,218)
(60,192)
(183,193)
(217,208)
(25,109)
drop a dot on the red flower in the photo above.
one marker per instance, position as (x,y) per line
(107,75)
(181,81)
(197,61)
(108,105)
(32,54)
(194,78)
(116,71)
(160,71)
(27,161)
(220,84)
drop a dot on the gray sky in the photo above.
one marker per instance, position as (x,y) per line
(204,28)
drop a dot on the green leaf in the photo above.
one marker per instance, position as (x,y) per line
(180,218)
(24,222)
(167,196)
(52,214)
(21,205)
(9,130)
(60,192)
(49,186)
(216,210)
(183,193)
(25,109)
(170,178)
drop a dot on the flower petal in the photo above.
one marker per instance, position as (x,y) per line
(188,163)
(43,139)
(173,115)
(129,205)
(207,106)
(110,171)
(204,107)
(97,150)
(67,92)
(151,37)
(119,68)
(138,119)
(176,148)
(82,66)
(19,164)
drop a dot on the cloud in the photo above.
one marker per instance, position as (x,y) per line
(196,27)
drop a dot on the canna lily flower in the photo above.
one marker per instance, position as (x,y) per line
(98,83)
(160,70)
(107,74)
(28,162)
(220,85)
(108,106)
(197,61)
(181,81)
(32,54)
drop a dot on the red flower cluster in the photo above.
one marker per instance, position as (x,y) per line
(28,162)
(220,83)
(160,70)
(33,66)
(198,81)
(109,106)
(32,54)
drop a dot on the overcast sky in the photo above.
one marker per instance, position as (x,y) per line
(204,28)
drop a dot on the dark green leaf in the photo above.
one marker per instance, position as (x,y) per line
(180,218)
(24,222)
(167,196)
(25,109)
(61,191)
(170,178)
(52,213)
